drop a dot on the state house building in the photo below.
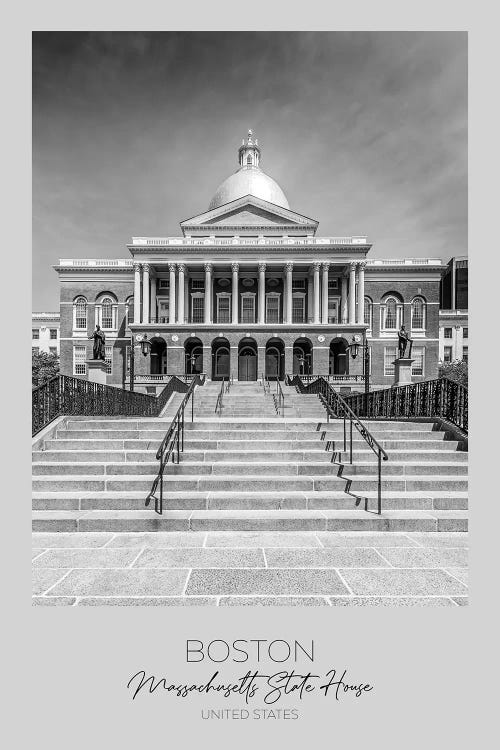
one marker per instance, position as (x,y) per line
(250,287)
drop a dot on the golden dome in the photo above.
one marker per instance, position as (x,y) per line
(249,180)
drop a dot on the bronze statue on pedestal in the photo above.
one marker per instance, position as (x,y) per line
(99,341)
(403,340)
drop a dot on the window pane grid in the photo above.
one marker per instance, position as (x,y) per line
(81,314)
(417,314)
(417,367)
(298,310)
(53,333)
(198,310)
(79,357)
(35,333)
(108,358)
(390,354)
(247,310)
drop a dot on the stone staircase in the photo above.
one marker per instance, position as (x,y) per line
(247,470)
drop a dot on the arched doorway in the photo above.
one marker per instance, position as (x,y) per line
(220,359)
(339,358)
(247,359)
(302,357)
(158,356)
(193,356)
(275,359)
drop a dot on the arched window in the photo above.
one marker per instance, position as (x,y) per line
(391,313)
(418,314)
(368,313)
(80,314)
(129,311)
(106,313)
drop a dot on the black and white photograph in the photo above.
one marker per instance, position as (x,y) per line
(250,319)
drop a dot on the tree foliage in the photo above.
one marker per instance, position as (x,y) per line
(457,371)
(43,367)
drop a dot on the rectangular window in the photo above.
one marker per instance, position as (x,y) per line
(163,310)
(35,333)
(164,284)
(333,285)
(198,309)
(273,309)
(465,354)
(448,333)
(333,310)
(79,363)
(223,309)
(367,314)
(298,285)
(53,333)
(466,333)
(198,285)
(53,350)
(390,354)
(248,309)
(418,354)
(448,354)
(108,358)
(298,309)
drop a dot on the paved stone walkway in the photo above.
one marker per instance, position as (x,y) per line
(250,568)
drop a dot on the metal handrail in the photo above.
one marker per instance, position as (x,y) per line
(220,398)
(229,383)
(279,399)
(265,383)
(336,406)
(171,447)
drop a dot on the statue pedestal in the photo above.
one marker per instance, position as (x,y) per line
(402,371)
(96,369)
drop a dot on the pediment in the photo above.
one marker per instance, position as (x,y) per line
(250,212)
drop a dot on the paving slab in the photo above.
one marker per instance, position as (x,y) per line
(44,578)
(266,582)
(86,558)
(402,582)
(201,557)
(441,539)
(53,601)
(461,573)
(144,601)
(391,601)
(60,539)
(335,557)
(440,557)
(156,540)
(123,582)
(273,601)
(261,539)
(358,539)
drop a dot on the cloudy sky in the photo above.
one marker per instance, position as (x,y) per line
(133,132)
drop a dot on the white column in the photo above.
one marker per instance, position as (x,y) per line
(316,292)
(208,293)
(262,293)
(145,293)
(234,299)
(180,297)
(137,292)
(152,298)
(186,295)
(361,292)
(289,286)
(343,300)
(352,293)
(171,293)
(324,312)
(309,298)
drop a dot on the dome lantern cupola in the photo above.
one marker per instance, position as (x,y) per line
(249,179)
(249,152)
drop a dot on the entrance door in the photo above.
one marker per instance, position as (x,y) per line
(247,365)
(272,363)
(221,369)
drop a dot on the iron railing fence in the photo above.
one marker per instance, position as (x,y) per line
(439,398)
(337,408)
(172,446)
(67,395)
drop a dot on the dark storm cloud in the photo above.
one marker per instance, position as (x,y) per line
(133,132)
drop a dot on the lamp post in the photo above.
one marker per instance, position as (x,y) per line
(145,345)
(354,348)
